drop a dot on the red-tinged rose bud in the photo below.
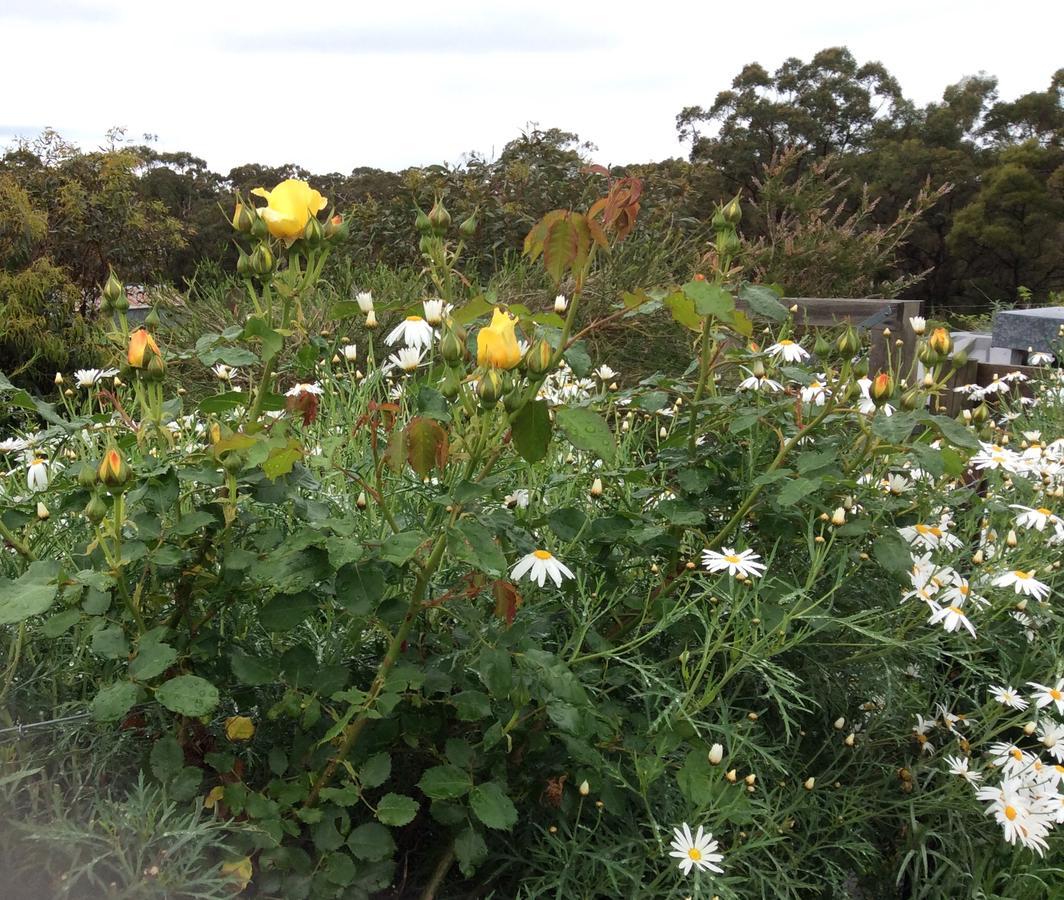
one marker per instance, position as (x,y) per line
(113,471)
(882,388)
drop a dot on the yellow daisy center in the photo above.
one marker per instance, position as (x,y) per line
(1023,576)
(964,590)
(1044,511)
(1016,754)
(414,319)
(732,558)
(695,853)
(1055,694)
(921,739)
(956,609)
(1010,812)
(786,342)
(542,554)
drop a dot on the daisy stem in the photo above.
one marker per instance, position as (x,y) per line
(703,375)
(21,547)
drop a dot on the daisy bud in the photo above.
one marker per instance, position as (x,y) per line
(1010,538)
(977,557)
(654,568)
(560,304)
(886,332)
(966,414)
(838,517)
(553,829)
(336,358)
(840,723)
(716,754)
(625,425)
(1022,605)
(68,393)
(663,433)
(850,738)
(599,804)
(361,502)
(371,320)
(585,788)
(809,783)
(1029,728)
(689,565)
(749,789)
(794,308)
(750,779)
(42,511)
(731,775)
(58,377)
(752,716)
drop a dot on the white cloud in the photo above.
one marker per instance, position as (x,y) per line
(336,85)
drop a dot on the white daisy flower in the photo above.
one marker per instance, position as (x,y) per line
(1046,696)
(958,765)
(951,617)
(1038,518)
(350,352)
(816,392)
(86,378)
(744,563)
(1023,583)
(918,324)
(605,373)
(13,445)
(434,311)
(1051,734)
(697,852)
(920,730)
(407,358)
(1008,696)
(1040,358)
(560,304)
(304,388)
(223,372)
(1022,818)
(1009,758)
(931,537)
(788,350)
(37,474)
(518,499)
(413,331)
(760,383)
(540,565)
(364,299)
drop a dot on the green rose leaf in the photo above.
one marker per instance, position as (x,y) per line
(188,695)
(491,805)
(531,431)
(396,809)
(113,701)
(587,430)
(371,842)
(30,594)
(445,783)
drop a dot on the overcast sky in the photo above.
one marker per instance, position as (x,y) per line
(334,85)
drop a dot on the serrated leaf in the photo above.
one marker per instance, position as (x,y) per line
(445,783)
(491,805)
(397,809)
(152,659)
(371,841)
(587,430)
(763,301)
(710,299)
(188,695)
(113,701)
(30,594)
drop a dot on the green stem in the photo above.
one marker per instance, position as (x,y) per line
(21,547)
(703,375)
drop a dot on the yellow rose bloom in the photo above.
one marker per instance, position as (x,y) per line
(141,348)
(497,346)
(290,206)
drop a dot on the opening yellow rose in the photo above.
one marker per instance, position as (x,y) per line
(141,348)
(497,346)
(291,204)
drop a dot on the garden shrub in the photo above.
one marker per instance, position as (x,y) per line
(425,603)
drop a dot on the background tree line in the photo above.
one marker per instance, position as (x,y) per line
(849,189)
